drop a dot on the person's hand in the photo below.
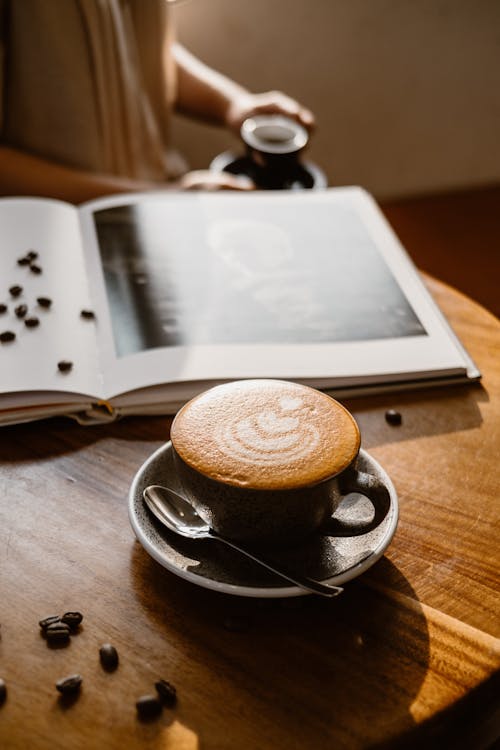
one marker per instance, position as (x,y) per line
(245,105)
(204,179)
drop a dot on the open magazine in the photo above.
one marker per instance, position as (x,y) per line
(133,304)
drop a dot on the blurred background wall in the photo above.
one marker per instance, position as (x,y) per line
(406,92)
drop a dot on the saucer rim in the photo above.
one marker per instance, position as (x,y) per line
(270,592)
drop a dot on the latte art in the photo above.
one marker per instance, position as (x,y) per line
(269,437)
(265,434)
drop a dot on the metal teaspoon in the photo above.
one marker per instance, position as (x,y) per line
(178,515)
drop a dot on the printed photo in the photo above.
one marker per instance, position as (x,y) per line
(275,277)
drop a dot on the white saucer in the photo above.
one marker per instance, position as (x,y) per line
(212,565)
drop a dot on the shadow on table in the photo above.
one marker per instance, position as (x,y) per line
(59,436)
(295,673)
(424,413)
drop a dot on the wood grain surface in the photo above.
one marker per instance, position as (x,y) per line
(408,656)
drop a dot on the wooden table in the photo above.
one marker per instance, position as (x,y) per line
(407,657)
(455,237)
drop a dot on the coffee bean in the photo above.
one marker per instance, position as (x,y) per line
(7,336)
(167,692)
(3,308)
(24,261)
(32,322)
(69,685)
(31,255)
(64,365)
(72,619)
(21,310)
(57,632)
(3,691)
(49,620)
(44,301)
(35,269)
(88,314)
(16,290)
(109,657)
(393,417)
(148,706)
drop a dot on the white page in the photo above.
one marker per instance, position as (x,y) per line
(256,285)
(29,363)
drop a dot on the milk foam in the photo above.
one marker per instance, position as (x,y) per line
(270,437)
(265,434)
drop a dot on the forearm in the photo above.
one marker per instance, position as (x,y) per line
(210,96)
(25,174)
(202,91)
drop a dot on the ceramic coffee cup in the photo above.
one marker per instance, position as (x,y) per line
(274,143)
(269,461)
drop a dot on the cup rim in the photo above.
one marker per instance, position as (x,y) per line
(254,128)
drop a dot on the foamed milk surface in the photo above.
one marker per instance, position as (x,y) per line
(265,434)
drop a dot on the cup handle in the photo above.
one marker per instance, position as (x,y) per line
(371,487)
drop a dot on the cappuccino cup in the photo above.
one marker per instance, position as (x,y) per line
(269,461)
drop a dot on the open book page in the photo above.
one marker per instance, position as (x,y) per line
(310,286)
(51,330)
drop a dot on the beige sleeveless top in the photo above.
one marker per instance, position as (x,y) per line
(88,83)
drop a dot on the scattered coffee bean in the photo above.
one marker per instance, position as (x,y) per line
(31,322)
(16,290)
(44,301)
(109,657)
(64,365)
(7,336)
(57,632)
(21,310)
(72,619)
(3,691)
(24,261)
(148,706)
(69,685)
(87,314)
(167,692)
(32,255)
(35,269)
(3,308)
(393,417)
(49,620)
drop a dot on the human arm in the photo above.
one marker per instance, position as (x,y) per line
(24,174)
(208,95)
